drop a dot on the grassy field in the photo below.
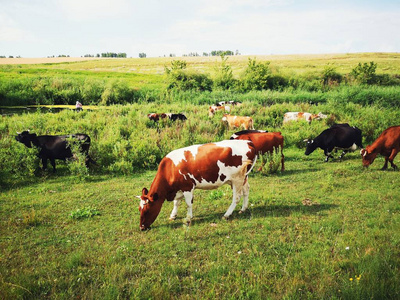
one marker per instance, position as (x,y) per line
(317,230)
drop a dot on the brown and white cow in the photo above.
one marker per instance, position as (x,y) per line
(296,116)
(265,142)
(237,122)
(387,144)
(214,108)
(205,167)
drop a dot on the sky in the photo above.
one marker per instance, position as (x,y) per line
(42,28)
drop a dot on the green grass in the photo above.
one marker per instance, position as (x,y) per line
(282,247)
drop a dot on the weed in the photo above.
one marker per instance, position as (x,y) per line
(84,213)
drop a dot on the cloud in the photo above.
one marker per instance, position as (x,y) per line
(86,10)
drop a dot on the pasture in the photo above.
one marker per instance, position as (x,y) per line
(315,231)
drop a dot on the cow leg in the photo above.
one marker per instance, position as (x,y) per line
(53,163)
(189,202)
(245,192)
(386,163)
(343,153)
(174,211)
(177,201)
(235,200)
(391,158)
(44,163)
(328,154)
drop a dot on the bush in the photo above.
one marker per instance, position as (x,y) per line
(270,162)
(255,76)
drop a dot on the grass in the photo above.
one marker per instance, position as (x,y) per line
(307,232)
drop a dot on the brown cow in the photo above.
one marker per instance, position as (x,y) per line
(205,167)
(265,142)
(387,144)
(237,122)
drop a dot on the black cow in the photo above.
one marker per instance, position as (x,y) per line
(174,117)
(339,136)
(54,147)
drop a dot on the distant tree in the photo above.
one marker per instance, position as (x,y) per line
(221,52)
(142,55)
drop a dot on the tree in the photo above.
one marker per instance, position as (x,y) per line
(142,55)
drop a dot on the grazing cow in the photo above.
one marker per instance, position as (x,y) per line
(233,103)
(54,147)
(265,142)
(237,122)
(339,136)
(205,167)
(296,116)
(214,108)
(153,117)
(173,117)
(387,144)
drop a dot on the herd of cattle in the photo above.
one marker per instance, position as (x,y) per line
(212,165)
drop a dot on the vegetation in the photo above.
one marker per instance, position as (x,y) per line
(317,230)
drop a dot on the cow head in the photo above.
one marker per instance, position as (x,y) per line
(26,138)
(150,206)
(311,146)
(367,157)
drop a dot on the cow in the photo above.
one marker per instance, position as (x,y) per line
(206,166)
(265,142)
(339,136)
(214,108)
(173,117)
(54,147)
(231,102)
(387,144)
(296,116)
(153,117)
(237,122)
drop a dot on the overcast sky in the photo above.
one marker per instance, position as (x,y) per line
(41,28)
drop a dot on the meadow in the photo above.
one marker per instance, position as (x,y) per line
(315,231)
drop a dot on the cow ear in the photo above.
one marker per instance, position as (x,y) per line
(145,192)
(155,197)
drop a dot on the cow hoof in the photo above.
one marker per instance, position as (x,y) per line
(241,211)
(225,218)
(172,218)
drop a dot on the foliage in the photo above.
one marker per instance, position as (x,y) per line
(255,76)
(84,213)
(330,77)
(364,73)
(182,80)
(270,162)
(224,76)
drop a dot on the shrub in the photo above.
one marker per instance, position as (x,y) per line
(330,77)
(223,76)
(270,162)
(364,73)
(255,76)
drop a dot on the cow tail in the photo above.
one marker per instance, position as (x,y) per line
(249,165)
